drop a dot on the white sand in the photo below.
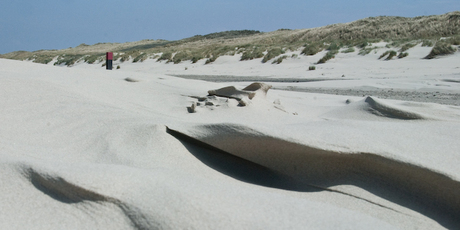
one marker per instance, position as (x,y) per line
(86,148)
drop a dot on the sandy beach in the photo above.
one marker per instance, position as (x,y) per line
(358,143)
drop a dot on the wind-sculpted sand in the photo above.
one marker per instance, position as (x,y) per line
(86,148)
(309,169)
(435,96)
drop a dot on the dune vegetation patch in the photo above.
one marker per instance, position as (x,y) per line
(329,55)
(91,59)
(272,54)
(68,59)
(312,49)
(443,47)
(388,54)
(348,50)
(442,32)
(253,53)
(279,59)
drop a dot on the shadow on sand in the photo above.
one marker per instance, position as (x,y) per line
(306,169)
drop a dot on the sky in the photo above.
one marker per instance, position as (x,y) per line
(57,24)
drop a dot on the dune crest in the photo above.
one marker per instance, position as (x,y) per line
(85,149)
(309,169)
(381,109)
(372,108)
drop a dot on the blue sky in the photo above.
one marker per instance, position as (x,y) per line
(56,24)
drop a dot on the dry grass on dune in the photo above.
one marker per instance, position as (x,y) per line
(253,44)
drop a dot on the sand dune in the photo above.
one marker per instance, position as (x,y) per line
(311,169)
(381,109)
(370,108)
(85,148)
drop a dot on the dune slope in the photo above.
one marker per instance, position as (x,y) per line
(85,148)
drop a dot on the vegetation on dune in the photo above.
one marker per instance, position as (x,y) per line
(67,59)
(195,59)
(403,55)
(272,53)
(91,59)
(141,57)
(349,50)
(427,43)
(165,56)
(210,60)
(442,32)
(136,55)
(332,49)
(180,56)
(385,27)
(334,46)
(42,59)
(230,34)
(366,51)
(455,40)
(407,46)
(279,60)
(312,49)
(144,45)
(391,55)
(329,55)
(253,53)
(441,48)
(444,46)
(361,44)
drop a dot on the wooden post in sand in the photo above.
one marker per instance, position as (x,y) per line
(108,60)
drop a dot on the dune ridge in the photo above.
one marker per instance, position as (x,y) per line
(381,109)
(220,44)
(86,149)
(371,108)
(421,189)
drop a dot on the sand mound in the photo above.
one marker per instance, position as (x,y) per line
(220,97)
(262,88)
(381,109)
(372,108)
(163,196)
(249,91)
(84,149)
(312,169)
(231,92)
